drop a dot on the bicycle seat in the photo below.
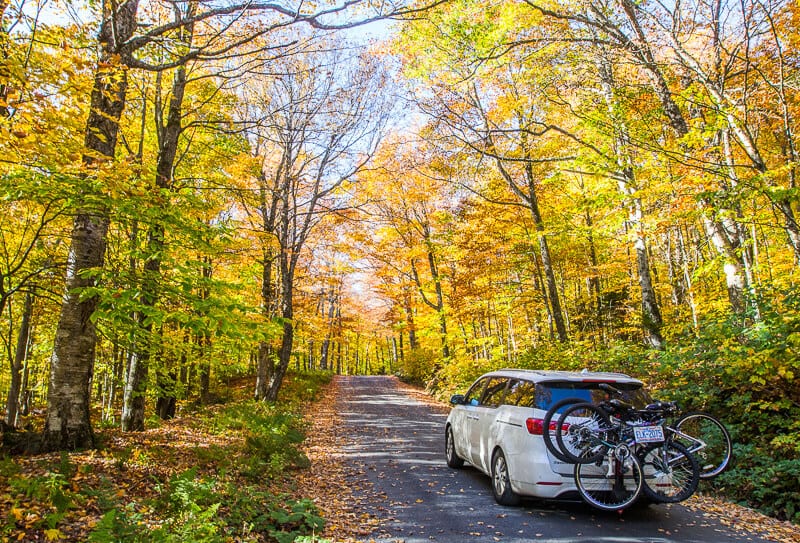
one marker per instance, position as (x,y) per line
(619,405)
(661,406)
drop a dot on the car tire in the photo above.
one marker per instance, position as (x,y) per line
(453,460)
(501,481)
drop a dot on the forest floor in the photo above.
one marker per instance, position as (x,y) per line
(203,476)
(62,497)
(67,497)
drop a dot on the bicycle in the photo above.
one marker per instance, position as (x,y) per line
(702,434)
(587,433)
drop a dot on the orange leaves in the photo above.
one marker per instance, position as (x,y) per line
(743,519)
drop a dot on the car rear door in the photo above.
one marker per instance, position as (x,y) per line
(484,428)
(468,419)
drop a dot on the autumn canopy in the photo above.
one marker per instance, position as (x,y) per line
(194,192)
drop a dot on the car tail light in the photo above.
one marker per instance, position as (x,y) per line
(536,426)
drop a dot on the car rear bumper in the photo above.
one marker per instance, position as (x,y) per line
(532,475)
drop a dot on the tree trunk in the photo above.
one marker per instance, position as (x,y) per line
(169,134)
(167,402)
(438,306)
(68,424)
(413,343)
(266,368)
(285,356)
(20,356)
(268,206)
(287,261)
(544,250)
(204,368)
(266,361)
(27,395)
(133,398)
(527,194)
(650,311)
(332,303)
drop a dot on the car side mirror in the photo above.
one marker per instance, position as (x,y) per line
(457,399)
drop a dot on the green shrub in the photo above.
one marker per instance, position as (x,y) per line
(302,387)
(272,436)
(299,519)
(760,480)
(252,510)
(746,375)
(123,524)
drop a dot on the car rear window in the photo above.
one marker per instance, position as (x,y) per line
(549,393)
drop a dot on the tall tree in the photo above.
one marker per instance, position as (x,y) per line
(626,179)
(323,124)
(169,127)
(68,423)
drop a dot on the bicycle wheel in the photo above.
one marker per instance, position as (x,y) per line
(671,472)
(708,440)
(613,483)
(548,435)
(583,432)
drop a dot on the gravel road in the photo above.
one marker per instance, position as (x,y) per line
(397,439)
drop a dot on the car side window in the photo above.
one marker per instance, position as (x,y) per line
(495,392)
(521,393)
(474,394)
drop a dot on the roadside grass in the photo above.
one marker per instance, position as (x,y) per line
(221,473)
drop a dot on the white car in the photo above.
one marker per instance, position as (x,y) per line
(497,427)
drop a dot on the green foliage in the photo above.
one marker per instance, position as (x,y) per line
(271,437)
(8,468)
(213,455)
(271,454)
(190,506)
(746,374)
(51,489)
(200,510)
(121,524)
(300,518)
(301,388)
(271,432)
(760,480)
(283,519)
(186,491)
(195,507)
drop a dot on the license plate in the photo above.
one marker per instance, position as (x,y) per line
(648,434)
